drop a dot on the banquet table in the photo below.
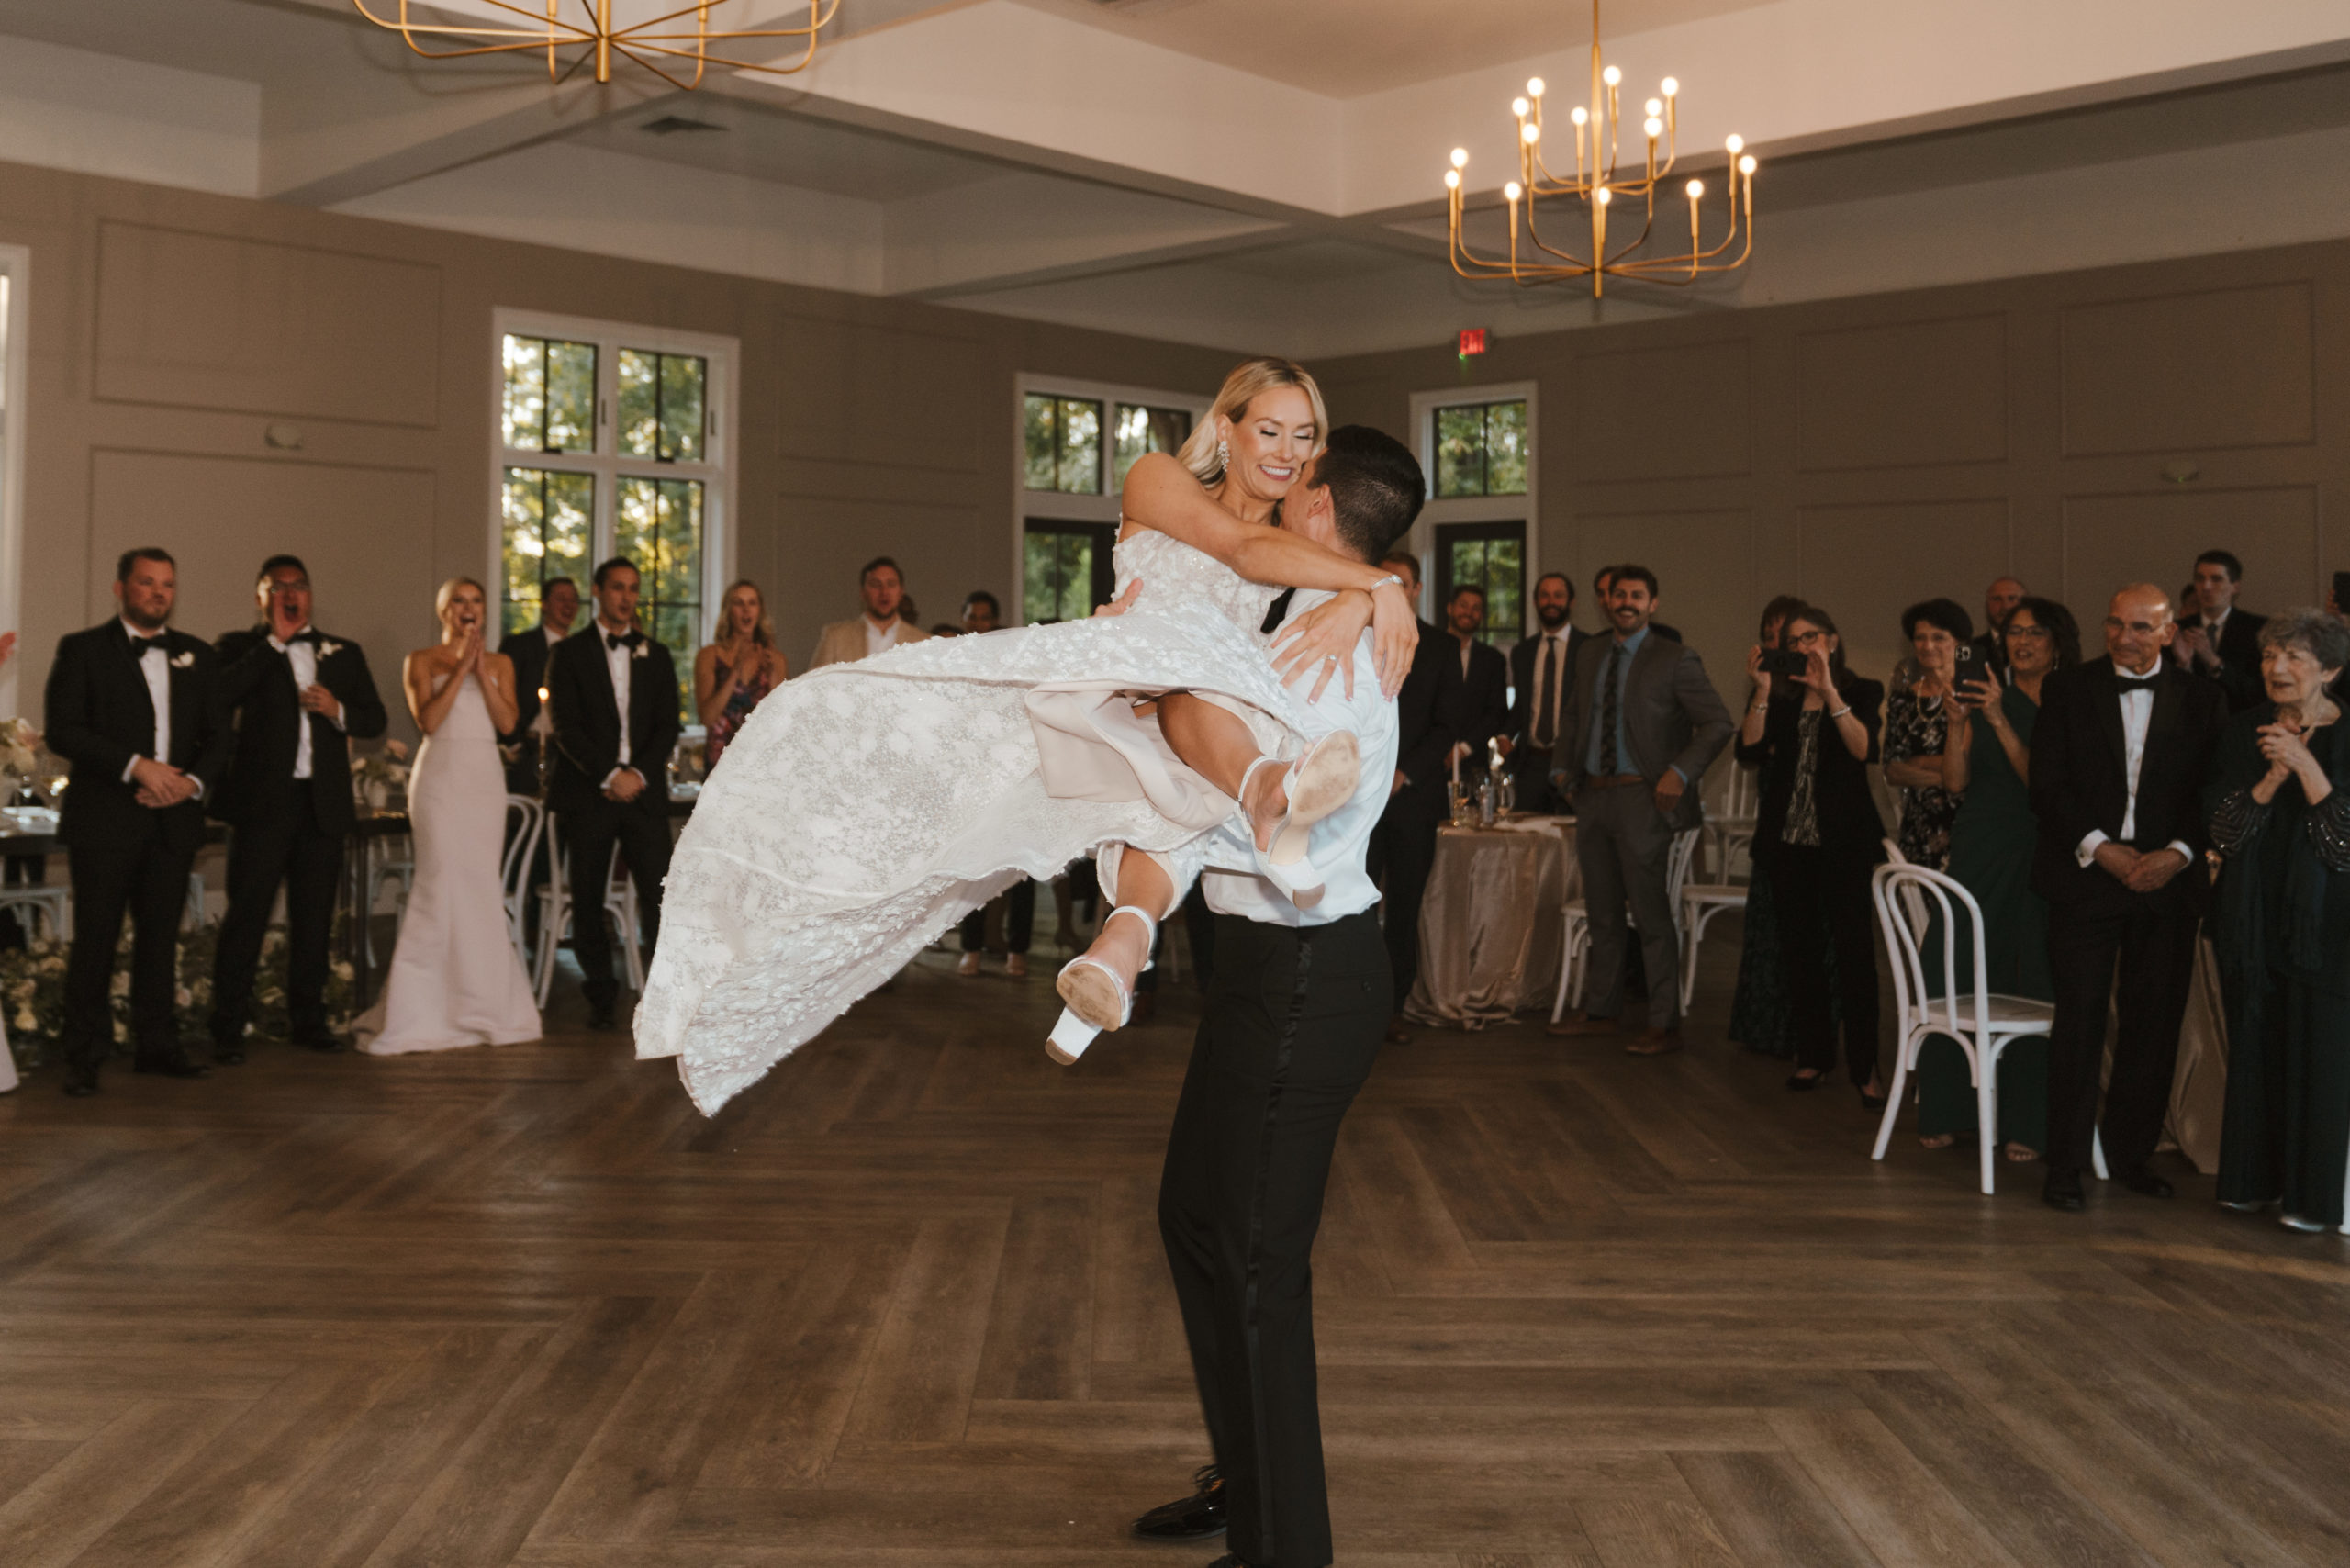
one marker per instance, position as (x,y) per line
(1491,928)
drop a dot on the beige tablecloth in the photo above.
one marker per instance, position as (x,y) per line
(1490,927)
(2198,1092)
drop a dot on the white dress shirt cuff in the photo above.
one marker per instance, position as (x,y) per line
(2184,853)
(2086,853)
(131,768)
(615,773)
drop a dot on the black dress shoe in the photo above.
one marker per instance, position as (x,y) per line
(178,1064)
(2063,1190)
(230,1052)
(1804,1083)
(599,1014)
(81,1083)
(2146,1184)
(318,1037)
(1189,1519)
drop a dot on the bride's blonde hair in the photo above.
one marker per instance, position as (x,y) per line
(1200,454)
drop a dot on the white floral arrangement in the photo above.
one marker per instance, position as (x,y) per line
(19,747)
(386,766)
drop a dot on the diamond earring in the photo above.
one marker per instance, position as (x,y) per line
(1223,454)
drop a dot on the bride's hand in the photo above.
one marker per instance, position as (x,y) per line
(1123,602)
(1322,639)
(1396,634)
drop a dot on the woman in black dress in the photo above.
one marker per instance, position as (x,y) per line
(1762,1018)
(2280,814)
(1817,838)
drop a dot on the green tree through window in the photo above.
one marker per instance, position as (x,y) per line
(660,529)
(550,395)
(549,517)
(1480,450)
(1063,445)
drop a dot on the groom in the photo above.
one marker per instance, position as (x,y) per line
(1298,1010)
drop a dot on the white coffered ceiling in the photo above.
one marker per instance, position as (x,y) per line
(1240,172)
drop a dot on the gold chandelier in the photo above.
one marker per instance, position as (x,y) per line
(676,37)
(1597,185)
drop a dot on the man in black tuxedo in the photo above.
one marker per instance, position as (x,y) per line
(2118,757)
(300,697)
(1403,847)
(1538,667)
(1473,684)
(135,708)
(612,693)
(2216,641)
(558,608)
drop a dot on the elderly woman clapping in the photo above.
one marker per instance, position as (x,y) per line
(2279,796)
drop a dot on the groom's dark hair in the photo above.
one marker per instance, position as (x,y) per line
(1376,485)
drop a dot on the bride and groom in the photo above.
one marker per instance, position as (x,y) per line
(867,806)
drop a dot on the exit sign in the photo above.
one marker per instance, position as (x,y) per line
(1472,342)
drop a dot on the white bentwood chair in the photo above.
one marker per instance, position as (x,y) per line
(524,820)
(1573,965)
(1983,1022)
(1732,828)
(41,905)
(556,913)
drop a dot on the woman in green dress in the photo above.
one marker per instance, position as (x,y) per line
(2279,798)
(1991,842)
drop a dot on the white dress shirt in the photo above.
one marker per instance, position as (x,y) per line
(881,639)
(616,662)
(155,667)
(2137,713)
(1336,845)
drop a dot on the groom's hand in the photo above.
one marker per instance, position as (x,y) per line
(626,786)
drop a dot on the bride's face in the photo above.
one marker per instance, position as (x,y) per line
(1270,443)
(466,610)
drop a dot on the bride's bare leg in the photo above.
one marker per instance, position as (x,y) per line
(1216,743)
(1124,945)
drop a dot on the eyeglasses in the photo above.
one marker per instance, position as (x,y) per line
(2035,632)
(279,590)
(1800,639)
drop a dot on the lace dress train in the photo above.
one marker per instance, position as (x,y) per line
(864,808)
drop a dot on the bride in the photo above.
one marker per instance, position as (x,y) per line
(455,978)
(864,807)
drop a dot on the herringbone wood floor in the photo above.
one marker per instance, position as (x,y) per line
(903,1305)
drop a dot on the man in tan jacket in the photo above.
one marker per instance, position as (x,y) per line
(877,630)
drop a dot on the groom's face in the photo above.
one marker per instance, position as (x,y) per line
(1308,511)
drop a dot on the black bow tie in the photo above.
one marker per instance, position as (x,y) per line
(1277,612)
(310,637)
(138,645)
(2128,683)
(631,641)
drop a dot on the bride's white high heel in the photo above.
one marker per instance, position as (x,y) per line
(1094,996)
(1323,778)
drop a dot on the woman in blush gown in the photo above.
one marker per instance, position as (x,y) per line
(866,807)
(455,978)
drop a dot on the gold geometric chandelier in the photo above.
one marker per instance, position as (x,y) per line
(1532,260)
(670,36)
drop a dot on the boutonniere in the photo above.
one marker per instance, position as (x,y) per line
(328,650)
(184,661)
(642,651)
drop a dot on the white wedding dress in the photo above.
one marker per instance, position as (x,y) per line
(865,808)
(455,978)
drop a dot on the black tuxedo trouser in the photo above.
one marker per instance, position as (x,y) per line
(134,872)
(588,834)
(1291,1027)
(1531,769)
(1019,902)
(294,851)
(1402,853)
(2153,941)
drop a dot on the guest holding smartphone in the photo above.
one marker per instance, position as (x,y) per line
(1917,725)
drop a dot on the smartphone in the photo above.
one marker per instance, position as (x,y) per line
(2341,593)
(1783,663)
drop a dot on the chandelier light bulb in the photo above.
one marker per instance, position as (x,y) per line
(1511,191)
(1612,76)
(1746,164)
(1654,127)
(1655,107)
(1672,86)
(1532,133)
(1534,87)
(1736,144)
(1581,115)
(1452,179)
(1603,195)
(1695,188)
(1460,157)
(1518,108)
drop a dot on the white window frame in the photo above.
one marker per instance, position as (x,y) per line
(15,264)
(1477,509)
(717,472)
(1104,507)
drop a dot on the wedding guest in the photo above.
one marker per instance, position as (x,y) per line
(1539,666)
(2119,860)
(526,743)
(1990,648)
(1916,727)
(1016,906)
(909,614)
(1818,837)
(300,698)
(612,692)
(19,870)
(1988,760)
(456,978)
(947,629)
(732,675)
(981,613)
(2280,814)
(878,629)
(1604,580)
(1762,1014)
(1643,724)
(2217,641)
(1403,845)
(1472,694)
(134,708)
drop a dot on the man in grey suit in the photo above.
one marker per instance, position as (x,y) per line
(1643,724)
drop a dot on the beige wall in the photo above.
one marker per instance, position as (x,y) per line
(1869,453)
(169,329)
